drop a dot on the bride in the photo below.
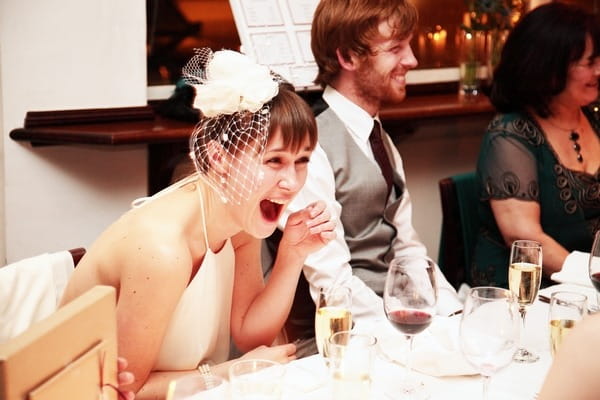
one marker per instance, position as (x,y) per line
(186,262)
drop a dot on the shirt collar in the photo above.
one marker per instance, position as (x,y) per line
(356,120)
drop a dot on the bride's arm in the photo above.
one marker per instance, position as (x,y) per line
(259,311)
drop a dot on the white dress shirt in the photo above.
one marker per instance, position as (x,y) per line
(330,266)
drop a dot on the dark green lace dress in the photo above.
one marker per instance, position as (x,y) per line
(516,161)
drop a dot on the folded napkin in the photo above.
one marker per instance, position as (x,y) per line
(30,290)
(436,350)
(574,270)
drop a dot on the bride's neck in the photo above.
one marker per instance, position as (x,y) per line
(214,212)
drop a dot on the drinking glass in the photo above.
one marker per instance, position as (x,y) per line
(594,267)
(332,315)
(351,357)
(566,309)
(489,330)
(197,387)
(409,299)
(524,278)
(256,379)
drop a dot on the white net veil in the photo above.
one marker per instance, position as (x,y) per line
(233,94)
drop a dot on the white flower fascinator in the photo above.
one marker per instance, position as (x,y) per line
(233,94)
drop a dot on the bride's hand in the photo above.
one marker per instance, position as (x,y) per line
(281,353)
(309,229)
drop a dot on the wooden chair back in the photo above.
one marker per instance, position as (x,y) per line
(70,354)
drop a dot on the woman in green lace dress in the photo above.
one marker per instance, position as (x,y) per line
(538,171)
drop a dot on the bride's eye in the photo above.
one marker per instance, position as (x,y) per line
(273,160)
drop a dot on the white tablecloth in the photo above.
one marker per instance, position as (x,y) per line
(308,378)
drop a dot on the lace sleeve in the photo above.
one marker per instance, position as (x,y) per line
(508,169)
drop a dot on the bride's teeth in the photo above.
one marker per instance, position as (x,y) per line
(276,201)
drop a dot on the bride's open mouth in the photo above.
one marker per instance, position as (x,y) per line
(271,209)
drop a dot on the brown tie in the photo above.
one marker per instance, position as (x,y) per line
(380,154)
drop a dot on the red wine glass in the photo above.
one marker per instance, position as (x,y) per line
(409,298)
(594,267)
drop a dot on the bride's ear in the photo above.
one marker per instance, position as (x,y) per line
(217,158)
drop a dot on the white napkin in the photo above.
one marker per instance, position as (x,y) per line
(436,350)
(574,270)
(30,290)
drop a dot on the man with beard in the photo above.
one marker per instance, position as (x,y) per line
(362,49)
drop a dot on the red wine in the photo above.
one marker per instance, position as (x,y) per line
(409,322)
(596,280)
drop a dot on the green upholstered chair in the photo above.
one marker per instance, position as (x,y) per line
(460,225)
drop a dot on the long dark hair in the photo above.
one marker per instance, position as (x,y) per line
(537,54)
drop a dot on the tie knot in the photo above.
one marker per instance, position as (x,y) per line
(376,128)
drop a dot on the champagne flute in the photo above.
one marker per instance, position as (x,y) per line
(524,278)
(332,315)
(489,330)
(594,267)
(566,309)
(409,298)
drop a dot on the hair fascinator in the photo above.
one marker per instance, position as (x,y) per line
(233,94)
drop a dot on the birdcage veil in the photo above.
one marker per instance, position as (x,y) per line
(233,94)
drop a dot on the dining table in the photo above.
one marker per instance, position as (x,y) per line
(440,367)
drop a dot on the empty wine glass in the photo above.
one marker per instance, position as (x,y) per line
(409,298)
(256,379)
(489,330)
(524,278)
(197,387)
(594,267)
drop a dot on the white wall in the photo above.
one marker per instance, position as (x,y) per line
(67,54)
(2,219)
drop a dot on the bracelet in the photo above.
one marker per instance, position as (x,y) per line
(204,369)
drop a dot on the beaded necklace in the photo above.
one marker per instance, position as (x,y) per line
(573,135)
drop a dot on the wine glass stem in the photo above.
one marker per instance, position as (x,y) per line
(522,311)
(486,386)
(408,376)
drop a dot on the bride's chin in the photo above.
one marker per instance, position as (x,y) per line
(264,233)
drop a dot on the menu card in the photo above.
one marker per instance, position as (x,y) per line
(276,33)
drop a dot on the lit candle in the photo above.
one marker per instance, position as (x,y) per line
(438,40)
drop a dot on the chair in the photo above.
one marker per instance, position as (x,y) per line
(77,254)
(70,354)
(460,225)
(30,289)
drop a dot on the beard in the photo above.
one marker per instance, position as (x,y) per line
(377,87)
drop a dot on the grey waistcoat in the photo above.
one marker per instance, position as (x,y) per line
(362,191)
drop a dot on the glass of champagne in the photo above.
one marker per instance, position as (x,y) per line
(351,357)
(489,330)
(332,315)
(409,299)
(594,267)
(566,309)
(524,278)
